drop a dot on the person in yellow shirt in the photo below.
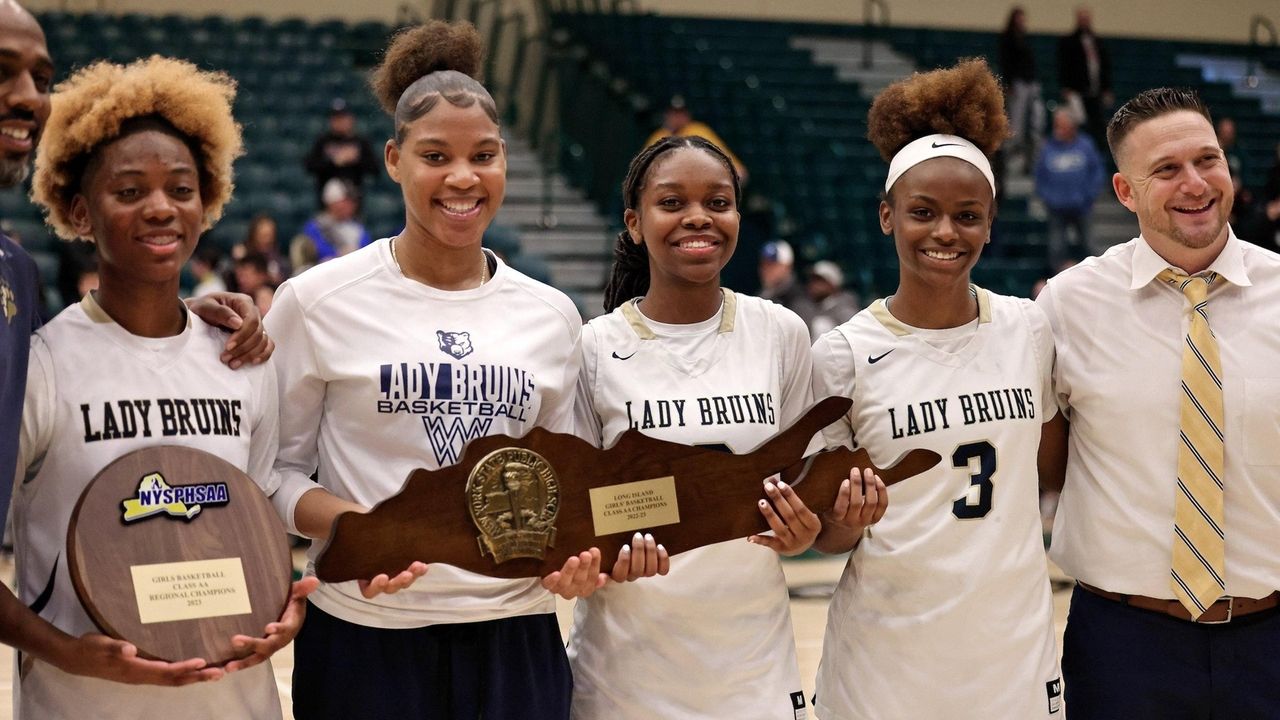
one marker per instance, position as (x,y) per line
(679,121)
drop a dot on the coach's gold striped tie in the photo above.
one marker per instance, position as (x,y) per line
(1199,557)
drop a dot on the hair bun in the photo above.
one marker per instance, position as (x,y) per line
(964,100)
(418,51)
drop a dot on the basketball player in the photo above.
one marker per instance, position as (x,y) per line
(682,359)
(391,359)
(137,159)
(944,610)
(24,109)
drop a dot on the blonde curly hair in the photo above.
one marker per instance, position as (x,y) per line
(91,106)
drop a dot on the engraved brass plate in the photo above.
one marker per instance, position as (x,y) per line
(634,505)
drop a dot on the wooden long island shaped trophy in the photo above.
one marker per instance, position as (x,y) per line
(521,507)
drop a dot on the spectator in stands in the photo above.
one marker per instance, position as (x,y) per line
(204,266)
(251,274)
(1262,225)
(1271,205)
(832,304)
(677,120)
(302,254)
(778,278)
(263,297)
(1084,75)
(335,231)
(1022,88)
(1226,132)
(263,238)
(1271,190)
(340,152)
(1069,175)
(1245,212)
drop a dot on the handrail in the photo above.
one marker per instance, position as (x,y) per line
(868,20)
(1256,24)
(475,7)
(444,9)
(512,79)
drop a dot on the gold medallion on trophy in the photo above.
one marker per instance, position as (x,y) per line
(514,496)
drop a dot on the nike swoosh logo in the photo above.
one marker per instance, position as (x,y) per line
(616,356)
(938,144)
(874,360)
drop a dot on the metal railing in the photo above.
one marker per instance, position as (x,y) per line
(1257,24)
(869,8)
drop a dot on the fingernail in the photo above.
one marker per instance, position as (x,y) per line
(763,503)
(661,548)
(625,549)
(648,538)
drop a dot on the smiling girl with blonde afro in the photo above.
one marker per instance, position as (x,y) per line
(91,107)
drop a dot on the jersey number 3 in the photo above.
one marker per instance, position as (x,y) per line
(977,502)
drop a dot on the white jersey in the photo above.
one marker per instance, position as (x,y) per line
(713,638)
(944,609)
(381,375)
(96,392)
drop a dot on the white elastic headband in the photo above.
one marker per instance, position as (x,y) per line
(932,146)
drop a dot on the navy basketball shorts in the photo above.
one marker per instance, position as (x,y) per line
(507,669)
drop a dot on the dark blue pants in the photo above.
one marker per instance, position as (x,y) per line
(1122,663)
(509,669)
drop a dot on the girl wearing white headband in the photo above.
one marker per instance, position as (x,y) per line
(945,609)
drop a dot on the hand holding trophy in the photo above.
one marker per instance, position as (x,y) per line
(522,507)
(179,552)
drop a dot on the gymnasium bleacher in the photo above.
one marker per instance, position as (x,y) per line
(800,129)
(798,126)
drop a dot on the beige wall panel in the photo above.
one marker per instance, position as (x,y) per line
(1192,19)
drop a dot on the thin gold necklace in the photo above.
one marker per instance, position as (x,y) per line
(484,262)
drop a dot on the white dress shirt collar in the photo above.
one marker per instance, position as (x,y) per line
(1229,264)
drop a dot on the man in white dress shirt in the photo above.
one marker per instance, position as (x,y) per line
(1168,373)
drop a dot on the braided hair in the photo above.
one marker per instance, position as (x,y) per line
(629,276)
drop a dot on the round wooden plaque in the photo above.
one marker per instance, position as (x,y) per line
(176,550)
